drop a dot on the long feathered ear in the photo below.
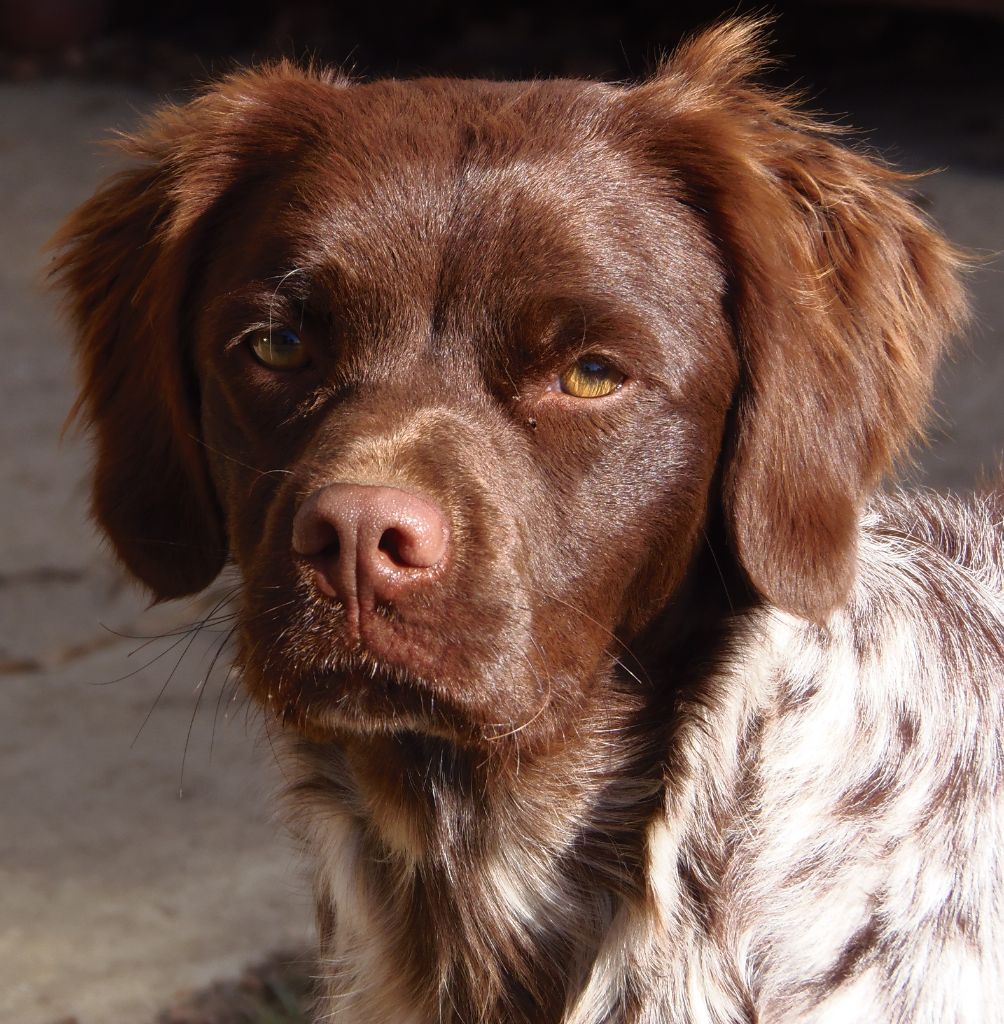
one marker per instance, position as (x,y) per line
(126,259)
(842,297)
(124,263)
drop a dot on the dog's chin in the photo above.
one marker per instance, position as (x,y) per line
(357,697)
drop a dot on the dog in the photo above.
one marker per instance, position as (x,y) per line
(545,424)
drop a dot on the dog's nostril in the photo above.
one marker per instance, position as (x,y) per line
(391,543)
(332,550)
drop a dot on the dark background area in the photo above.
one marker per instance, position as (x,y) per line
(846,55)
(167,45)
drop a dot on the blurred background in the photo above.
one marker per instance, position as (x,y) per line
(141,876)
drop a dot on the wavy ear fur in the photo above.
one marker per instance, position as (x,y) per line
(842,297)
(125,259)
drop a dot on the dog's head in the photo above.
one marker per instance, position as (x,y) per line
(459,373)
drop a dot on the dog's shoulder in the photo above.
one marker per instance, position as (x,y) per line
(866,748)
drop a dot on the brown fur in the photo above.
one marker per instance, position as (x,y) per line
(480,772)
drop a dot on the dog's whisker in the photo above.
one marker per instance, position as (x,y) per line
(259,473)
(194,633)
(223,645)
(207,626)
(149,638)
(709,547)
(140,668)
(179,635)
(545,702)
(231,682)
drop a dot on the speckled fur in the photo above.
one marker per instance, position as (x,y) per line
(827,844)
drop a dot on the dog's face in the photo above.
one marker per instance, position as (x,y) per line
(495,315)
(457,372)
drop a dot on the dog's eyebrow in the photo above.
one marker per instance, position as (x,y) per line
(255,296)
(558,322)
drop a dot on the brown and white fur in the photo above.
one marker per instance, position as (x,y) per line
(674,720)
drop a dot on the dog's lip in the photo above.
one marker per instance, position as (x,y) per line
(361,661)
(360,694)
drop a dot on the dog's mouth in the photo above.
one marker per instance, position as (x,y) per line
(358,694)
(403,674)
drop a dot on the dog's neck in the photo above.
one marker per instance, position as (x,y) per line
(478,883)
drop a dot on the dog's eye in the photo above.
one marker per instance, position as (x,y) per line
(279,350)
(590,378)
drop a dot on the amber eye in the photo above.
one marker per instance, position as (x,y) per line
(590,378)
(279,350)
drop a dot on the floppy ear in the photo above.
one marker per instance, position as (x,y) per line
(124,262)
(126,259)
(842,297)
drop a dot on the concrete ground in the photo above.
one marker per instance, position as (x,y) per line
(115,893)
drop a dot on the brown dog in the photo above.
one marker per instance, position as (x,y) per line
(542,421)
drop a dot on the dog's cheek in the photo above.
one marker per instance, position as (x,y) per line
(683,497)
(248,463)
(634,514)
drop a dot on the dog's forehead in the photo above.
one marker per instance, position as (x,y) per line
(475,180)
(432,129)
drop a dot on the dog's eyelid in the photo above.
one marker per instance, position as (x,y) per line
(242,336)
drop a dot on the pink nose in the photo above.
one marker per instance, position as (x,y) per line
(369,544)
